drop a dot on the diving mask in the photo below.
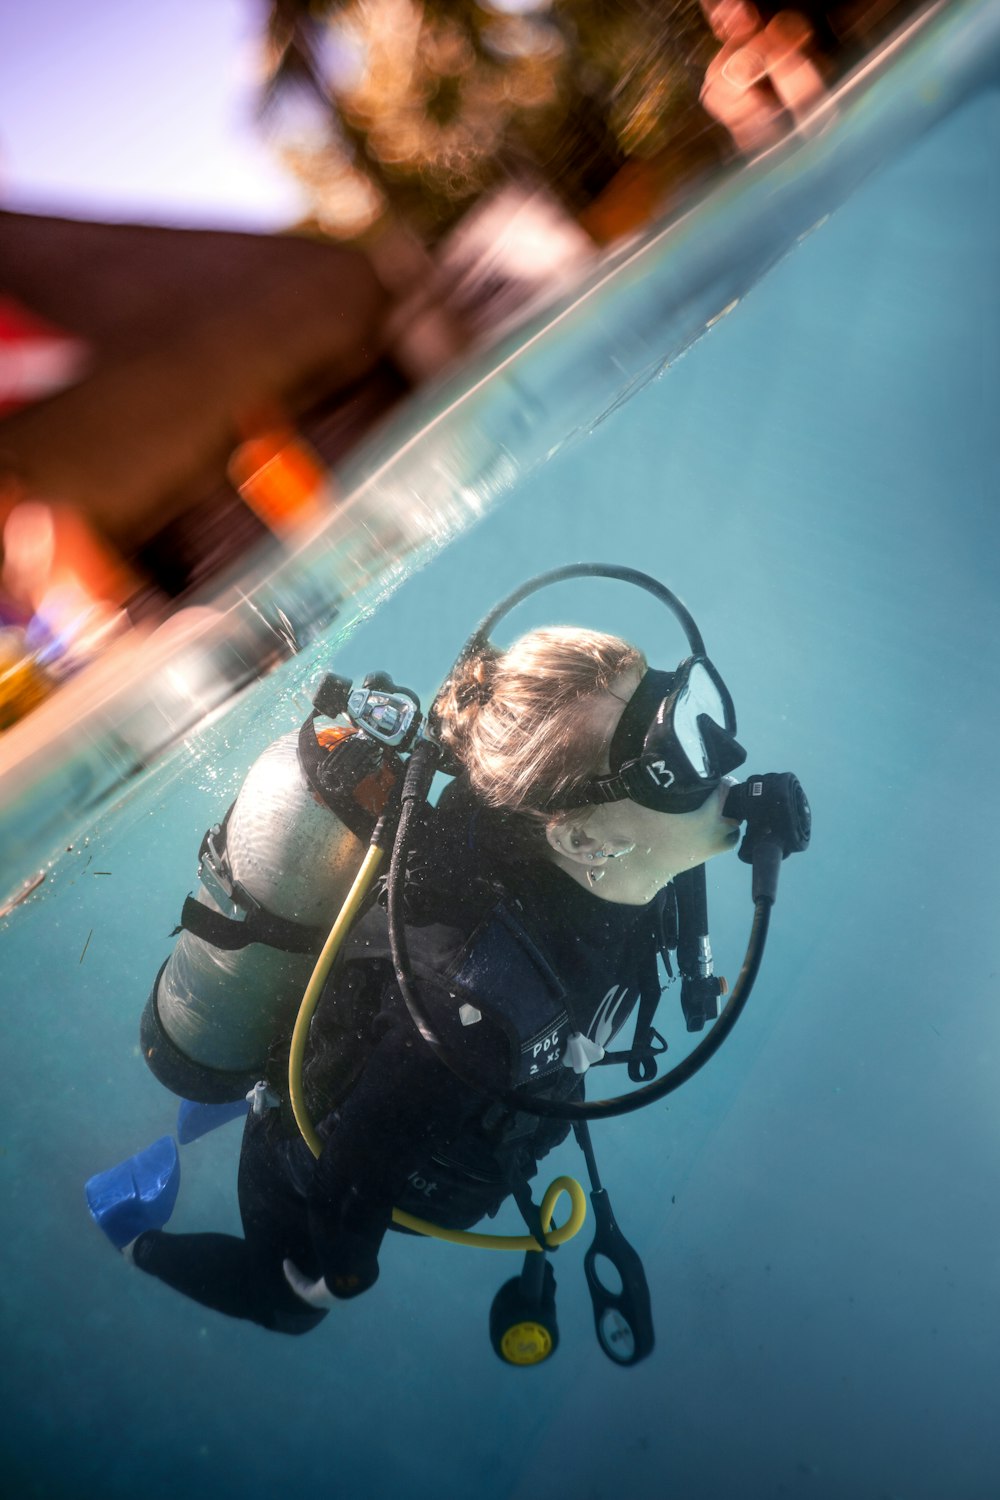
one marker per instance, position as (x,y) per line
(673,745)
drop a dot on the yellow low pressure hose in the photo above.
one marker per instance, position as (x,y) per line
(345,918)
(296,1056)
(572,1226)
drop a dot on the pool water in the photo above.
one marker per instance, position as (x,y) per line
(817,1210)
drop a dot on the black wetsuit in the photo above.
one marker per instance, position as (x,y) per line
(410,1133)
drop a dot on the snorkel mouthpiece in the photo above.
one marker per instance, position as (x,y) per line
(779,823)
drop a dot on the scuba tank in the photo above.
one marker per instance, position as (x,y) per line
(272,875)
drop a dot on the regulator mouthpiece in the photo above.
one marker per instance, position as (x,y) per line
(779,822)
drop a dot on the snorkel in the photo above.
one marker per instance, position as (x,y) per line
(773,806)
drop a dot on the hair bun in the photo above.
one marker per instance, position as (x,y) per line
(473,683)
(466,692)
(481,678)
(520,723)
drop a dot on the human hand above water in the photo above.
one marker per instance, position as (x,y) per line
(759,73)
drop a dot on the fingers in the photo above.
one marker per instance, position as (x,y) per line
(745,67)
(750,111)
(759,72)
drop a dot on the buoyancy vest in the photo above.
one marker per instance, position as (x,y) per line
(497,970)
(493,987)
(483,961)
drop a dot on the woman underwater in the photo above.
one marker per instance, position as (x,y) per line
(585,783)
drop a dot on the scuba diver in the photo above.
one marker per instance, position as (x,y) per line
(526,919)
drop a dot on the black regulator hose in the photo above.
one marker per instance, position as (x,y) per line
(425,757)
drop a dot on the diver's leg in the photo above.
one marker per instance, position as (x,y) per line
(217,1270)
(242,1278)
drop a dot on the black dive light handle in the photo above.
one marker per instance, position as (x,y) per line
(623,1319)
(779,822)
(623,1315)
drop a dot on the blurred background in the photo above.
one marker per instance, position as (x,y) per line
(233,238)
(239,248)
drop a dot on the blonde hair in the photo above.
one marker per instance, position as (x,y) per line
(521,721)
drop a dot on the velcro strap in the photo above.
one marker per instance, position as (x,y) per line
(259,926)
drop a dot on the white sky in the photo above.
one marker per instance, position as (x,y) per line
(137,110)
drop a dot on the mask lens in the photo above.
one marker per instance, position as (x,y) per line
(699,696)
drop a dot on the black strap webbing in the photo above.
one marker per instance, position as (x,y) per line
(259,926)
(642,1060)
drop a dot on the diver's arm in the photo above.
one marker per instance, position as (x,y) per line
(405,1104)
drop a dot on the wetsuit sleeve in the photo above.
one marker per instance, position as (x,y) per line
(405,1103)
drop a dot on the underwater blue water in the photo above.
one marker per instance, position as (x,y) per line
(817,1210)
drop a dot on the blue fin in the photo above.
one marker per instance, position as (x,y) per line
(194,1120)
(138,1194)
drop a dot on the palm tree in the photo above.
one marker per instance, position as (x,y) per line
(416,108)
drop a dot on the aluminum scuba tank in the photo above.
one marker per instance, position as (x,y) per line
(273,876)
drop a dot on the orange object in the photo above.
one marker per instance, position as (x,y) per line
(23,685)
(280,477)
(372,792)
